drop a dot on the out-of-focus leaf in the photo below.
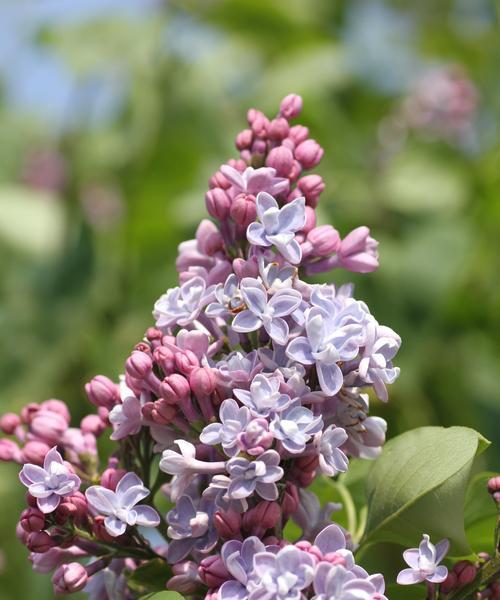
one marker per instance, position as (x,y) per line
(418,485)
(150,577)
(31,221)
(163,596)
(480,513)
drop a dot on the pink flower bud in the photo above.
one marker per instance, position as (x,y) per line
(186,361)
(69,578)
(217,203)
(295,171)
(28,411)
(358,251)
(9,422)
(281,159)
(310,220)
(246,268)
(10,451)
(92,424)
(48,426)
(162,412)
(72,507)
(143,347)
(153,334)
(175,387)
(39,541)
(494,488)
(21,534)
(212,571)
(278,129)
(449,584)
(139,365)
(259,147)
(262,517)
(99,530)
(101,391)
(309,153)
(311,187)
(110,477)
(291,106)
(465,571)
(237,164)
(290,500)
(32,519)
(219,181)
(298,134)
(34,452)
(324,239)
(185,579)
(202,381)
(243,209)
(244,139)
(288,143)
(209,237)
(164,358)
(259,124)
(57,406)
(228,524)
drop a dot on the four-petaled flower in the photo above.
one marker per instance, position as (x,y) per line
(120,507)
(264,396)
(182,305)
(278,226)
(259,476)
(295,426)
(252,181)
(262,311)
(228,299)
(234,420)
(335,582)
(332,459)
(424,562)
(50,483)
(126,418)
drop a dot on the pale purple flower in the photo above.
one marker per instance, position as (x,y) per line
(50,483)
(331,337)
(278,226)
(310,516)
(281,576)
(190,529)
(234,420)
(126,418)
(424,562)
(264,396)
(216,493)
(256,437)
(186,467)
(182,305)
(331,543)
(258,476)
(238,557)
(335,582)
(238,369)
(265,312)
(46,562)
(121,507)
(252,181)
(295,426)
(276,277)
(375,366)
(332,459)
(227,299)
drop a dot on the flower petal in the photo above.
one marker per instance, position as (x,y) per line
(409,577)
(246,321)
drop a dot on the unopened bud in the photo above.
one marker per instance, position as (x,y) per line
(243,209)
(217,203)
(139,365)
(186,361)
(494,488)
(228,524)
(281,159)
(213,572)
(174,388)
(9,422)
(244,139)
(311,187)
(39,541)
(278,129)
(101,391)
(164,358)
(291,106)
(32,519)
(111,476)
(34,452)
(465,571)
(309,153)
(324,239)
(10,451)
(69,578)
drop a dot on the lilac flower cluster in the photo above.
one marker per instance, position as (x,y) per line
(251,384)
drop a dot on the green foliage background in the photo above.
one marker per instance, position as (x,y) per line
(76,296)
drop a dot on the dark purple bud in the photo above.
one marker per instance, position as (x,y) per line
(139,365)
(32,519)
(309,153)
(9,422)
(465,571)
(310,219)
(185,579)
(291,106)
(243,209)
(217,203)
(39,541)
(298,134)
(213,572)
(228,524)
(281,159)
(449,584)
(278,129)
(73,507)
(262,517)
(101,391)
(244,139)
(161,412)
(69,578)
(259,147)
(290,500)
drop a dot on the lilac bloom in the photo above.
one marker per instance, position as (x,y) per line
(216,493)
(263,312)
(331,458)
(228,299)
(258,476)
(331,337)
(310,516)
(256,437)
(233,419)
(238,368)
(281,576)
(278,226)
(252,181)
(190,529)
(294,427)
(331,543)
(264,396)
(186,467)
(276,277)
(120,507)
(335,582)
(126,418)
(424,562)
(238,558)
(50,483)
(182,305)
(375,366)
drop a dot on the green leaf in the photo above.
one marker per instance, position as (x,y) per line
(150,577)
(163,596)
(480,514)
(418,486)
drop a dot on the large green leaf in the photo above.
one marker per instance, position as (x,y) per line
(150,577)
(163,596)
(418,486)
(480,514)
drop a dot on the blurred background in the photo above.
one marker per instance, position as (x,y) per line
(113,115)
